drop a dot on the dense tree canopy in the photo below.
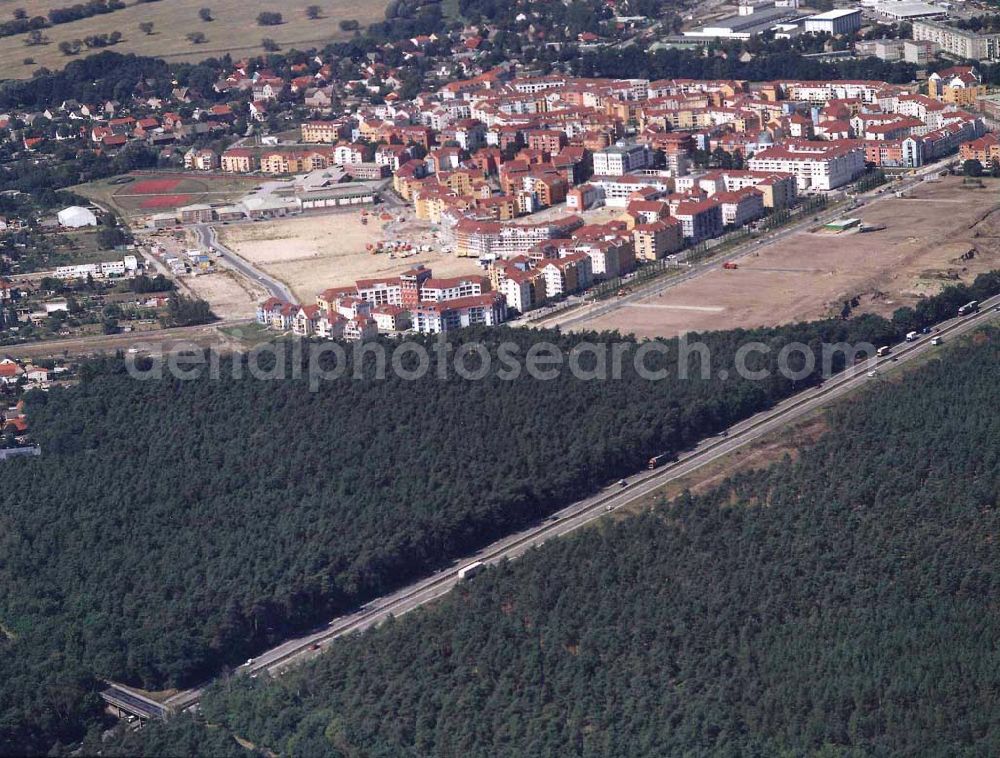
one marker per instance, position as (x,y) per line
(174,526)
(94,79)
(842,604)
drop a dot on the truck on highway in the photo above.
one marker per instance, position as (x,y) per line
(658,460)
(912,336)
(971,307)
(467,572)
(883,351)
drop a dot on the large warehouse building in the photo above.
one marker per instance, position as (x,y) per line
(843,21)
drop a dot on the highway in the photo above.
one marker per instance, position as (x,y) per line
(128,700)
(209,239)
(574,516)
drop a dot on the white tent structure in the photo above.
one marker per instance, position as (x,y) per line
(75,216)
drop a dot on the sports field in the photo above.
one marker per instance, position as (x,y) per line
(234,29)
(142,194)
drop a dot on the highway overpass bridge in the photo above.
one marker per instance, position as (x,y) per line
(124,701)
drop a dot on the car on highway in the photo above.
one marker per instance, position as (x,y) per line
(872,374)
(249,662)
(622,482)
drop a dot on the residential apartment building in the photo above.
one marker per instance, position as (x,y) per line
(620,159)
(985,149)
(489,309)
(453,288)
(570,273)
(961,43)
(816,165)
(200,160)
(740,207)
(700,220)
(323,131)
(657,239)
(490,239)
(239,160)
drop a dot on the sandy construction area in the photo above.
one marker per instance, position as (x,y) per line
(311,253)
(228,294)
(810,274)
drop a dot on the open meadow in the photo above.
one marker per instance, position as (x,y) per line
(310,253)
(233,30)
(810,274)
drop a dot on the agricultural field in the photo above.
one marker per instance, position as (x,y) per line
(310,253)
(234,29)
(146,194)
(811,274)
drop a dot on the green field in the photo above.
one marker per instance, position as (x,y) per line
(234,29)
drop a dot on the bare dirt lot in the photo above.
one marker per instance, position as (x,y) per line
(311,253)
(234,30)
(228,294)
(810,274)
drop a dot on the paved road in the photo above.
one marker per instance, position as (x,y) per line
(574,516)
(208,238)
(133,702)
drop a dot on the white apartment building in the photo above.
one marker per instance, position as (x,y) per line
(479,239)
(617,191)
(571,273)
(380,291)
(517,291)
(439,290)
(345,155)
(479,310)
(820,92)
(818,166)
(621,159)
